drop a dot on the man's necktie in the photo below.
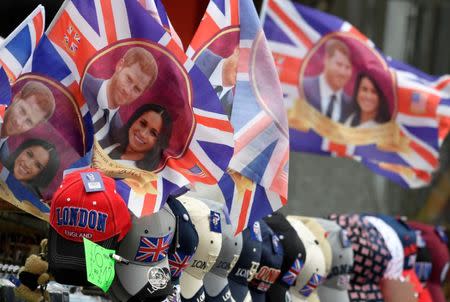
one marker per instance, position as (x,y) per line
(101,124)
(331,104)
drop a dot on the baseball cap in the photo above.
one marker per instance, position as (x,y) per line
(147,275)
(407,237)
(394,269)
(216,281)
(185,240)
(320,234)
(210,242)
(398,289)
(436,240)
(247,264)
(314,269)
(335,287)
(101,216)
(371,257)
(270,264)
(293,260)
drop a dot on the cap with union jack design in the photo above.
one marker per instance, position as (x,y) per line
(294,256)
(185,241)
(314,269)
(147,275)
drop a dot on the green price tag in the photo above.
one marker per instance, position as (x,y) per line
(99,264)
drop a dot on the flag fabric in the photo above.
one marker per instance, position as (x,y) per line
(256,182)
(410,119)
(89,37)
(18,47)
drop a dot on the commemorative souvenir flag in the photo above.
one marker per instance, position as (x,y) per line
(230,48)
(17,48)
(152,119)
(345,98)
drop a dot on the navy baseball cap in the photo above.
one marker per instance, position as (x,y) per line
(407,236)
(270,264)
(185,240)
(248,262)
(293,260)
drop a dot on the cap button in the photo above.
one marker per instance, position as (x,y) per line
(281,237)
(185,217)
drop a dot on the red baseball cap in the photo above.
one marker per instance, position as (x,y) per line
(436,240)
(99,215)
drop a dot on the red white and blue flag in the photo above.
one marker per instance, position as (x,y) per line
(18,47)
(417,103)
(81,29)
(153,249)
(261,152)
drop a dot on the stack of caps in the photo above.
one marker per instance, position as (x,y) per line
(321,236)
(294,257)
(371,257)
(436,239)
(336,285)
(314,269)
(270,264)
(147,274)
(210,242)
(247,264)
(86,205)
(215,281)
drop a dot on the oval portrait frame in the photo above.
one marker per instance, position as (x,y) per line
(304,117)
(99,154)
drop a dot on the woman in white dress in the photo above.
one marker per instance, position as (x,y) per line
(371,108)
(143,139)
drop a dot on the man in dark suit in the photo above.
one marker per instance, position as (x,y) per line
(135,72)
(31,106)
(221,73)
(326,91)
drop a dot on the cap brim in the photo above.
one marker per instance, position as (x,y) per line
(66,258)
(214,284)
(257,296)
(328,294)
(436,292)
(189,285)
(295,297)
(238,290)
(276,292)
(133,277)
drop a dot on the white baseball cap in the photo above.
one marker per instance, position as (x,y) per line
(210,243)
(314,270)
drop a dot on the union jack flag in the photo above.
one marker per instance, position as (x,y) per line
(291,275)
(261,138)
(153,249)
(421,114)
(18,47)
(178,263)
(84,27)
(311,286)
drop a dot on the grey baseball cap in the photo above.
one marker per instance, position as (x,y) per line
(216,280)
(147,275)
(335,287)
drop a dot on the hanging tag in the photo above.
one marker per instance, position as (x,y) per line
(92,181)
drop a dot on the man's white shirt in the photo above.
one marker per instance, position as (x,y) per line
(325,97)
